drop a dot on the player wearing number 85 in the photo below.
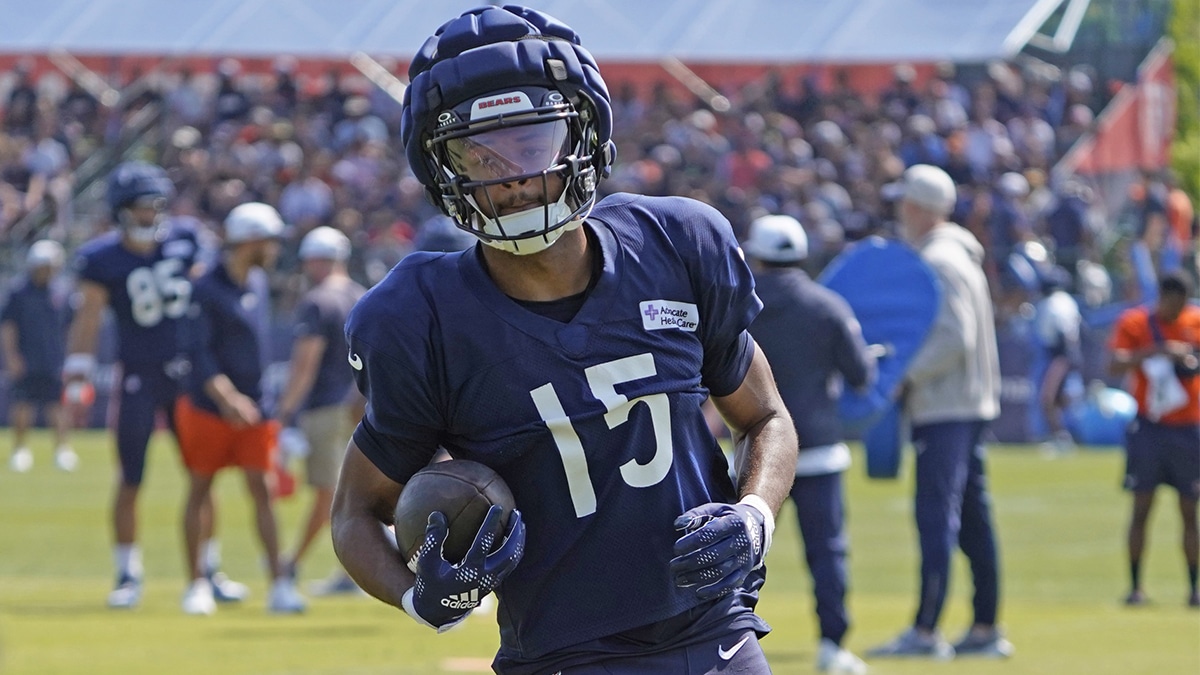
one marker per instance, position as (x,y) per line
(535,353)
(142,271)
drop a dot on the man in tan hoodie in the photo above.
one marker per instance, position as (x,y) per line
(952,392)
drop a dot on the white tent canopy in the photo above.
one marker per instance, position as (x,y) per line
(699,31)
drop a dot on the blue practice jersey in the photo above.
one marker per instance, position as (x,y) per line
(227,333)
(148,294)
(595,424)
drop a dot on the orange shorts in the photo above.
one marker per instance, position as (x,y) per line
(208,443)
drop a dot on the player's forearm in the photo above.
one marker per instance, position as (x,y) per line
(766,459)
(363,545)
(364,502)
(765,444)
(84,333)
(82,336)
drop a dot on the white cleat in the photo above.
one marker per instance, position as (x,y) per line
(21,460)
(833,659)
(285,599)
(198,599)
(66,459)
(226,589)
(127,594)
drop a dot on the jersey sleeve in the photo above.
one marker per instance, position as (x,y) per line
(87,267)
(724,288)
(308,320)
(1125,334)
(400,431)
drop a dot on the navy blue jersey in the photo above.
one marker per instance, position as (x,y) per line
(322,312)
(40,317)
(227,333)
(595,424)
(148,294)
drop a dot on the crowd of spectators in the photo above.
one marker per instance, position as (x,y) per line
(825,154)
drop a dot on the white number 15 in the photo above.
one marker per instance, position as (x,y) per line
(602,380)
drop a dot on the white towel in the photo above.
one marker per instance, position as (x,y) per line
(1164,393)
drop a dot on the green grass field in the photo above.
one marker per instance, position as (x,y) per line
(1061,525)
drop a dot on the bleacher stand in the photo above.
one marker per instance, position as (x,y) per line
(327,153)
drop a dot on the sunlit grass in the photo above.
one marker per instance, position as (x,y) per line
(1061,526)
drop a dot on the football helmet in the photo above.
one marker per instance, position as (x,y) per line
(137,184)
(507,96)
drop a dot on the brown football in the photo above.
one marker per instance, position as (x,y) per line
(461,489)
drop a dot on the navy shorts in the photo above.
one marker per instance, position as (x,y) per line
(1158,454)
(38,388)
(720,636)
(732,653)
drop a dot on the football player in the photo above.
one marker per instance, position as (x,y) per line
(570,350)
(142,272)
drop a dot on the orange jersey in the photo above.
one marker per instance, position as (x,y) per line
(1132,333)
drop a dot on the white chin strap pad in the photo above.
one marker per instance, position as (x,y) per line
(532,222)
(143,235)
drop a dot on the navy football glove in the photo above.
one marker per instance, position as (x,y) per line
(445,594)
(721,544)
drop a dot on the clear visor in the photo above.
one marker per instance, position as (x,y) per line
(509,152)
(149,202)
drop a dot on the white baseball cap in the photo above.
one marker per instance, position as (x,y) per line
(45,252)
(1013,184)
(778,239)
(251,222)
(929,187)
(325,243)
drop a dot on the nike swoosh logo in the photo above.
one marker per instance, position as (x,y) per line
(355,361)
(727,654)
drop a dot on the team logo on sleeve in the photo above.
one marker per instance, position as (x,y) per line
(664,314)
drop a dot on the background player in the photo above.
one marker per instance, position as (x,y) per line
(1156,348)
(1058,326)
(814,344)
(571,353)
(32,333)
(142,272)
